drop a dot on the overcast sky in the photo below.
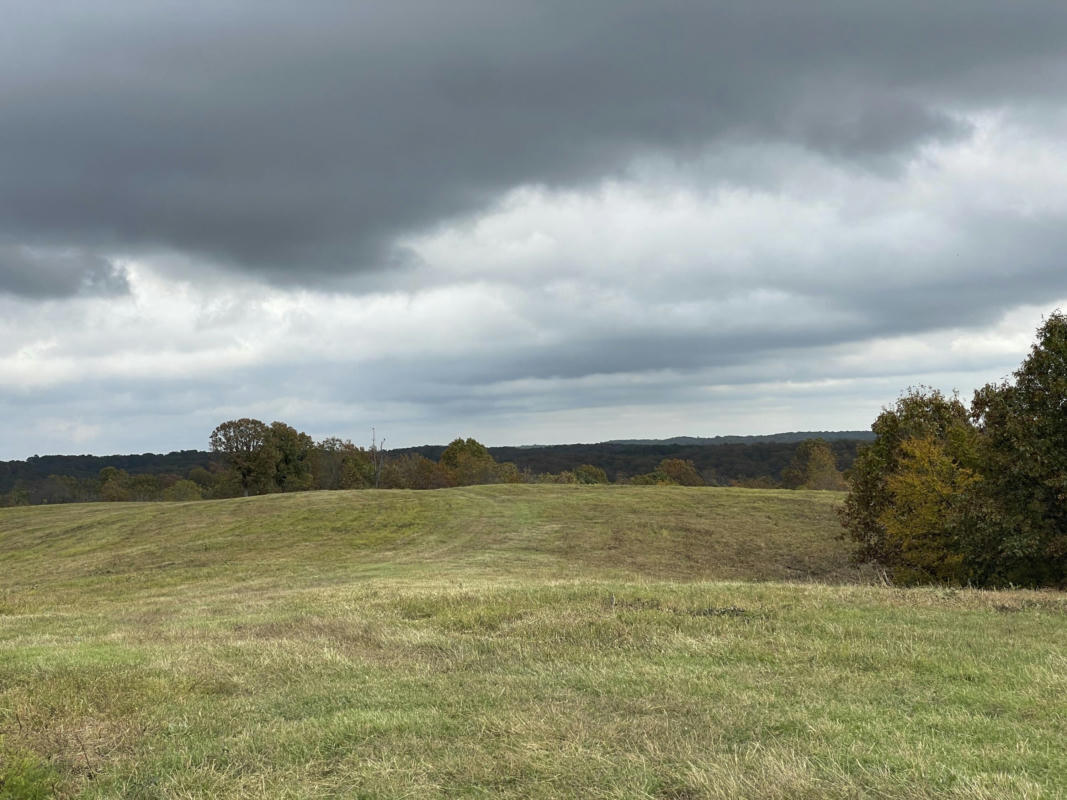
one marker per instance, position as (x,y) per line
(523,222)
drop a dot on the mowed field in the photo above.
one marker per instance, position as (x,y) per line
(508,641)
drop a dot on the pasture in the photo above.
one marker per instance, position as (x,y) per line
(508,641)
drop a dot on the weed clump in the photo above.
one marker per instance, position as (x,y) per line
(25,777)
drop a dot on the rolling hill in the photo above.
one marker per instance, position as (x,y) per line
(507,641)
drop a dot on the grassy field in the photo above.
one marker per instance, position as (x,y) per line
(508,641)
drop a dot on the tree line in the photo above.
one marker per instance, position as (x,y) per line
(252,457)
(978,495)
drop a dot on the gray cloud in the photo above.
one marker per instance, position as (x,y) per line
(298,143)
(49,273)
(718,197)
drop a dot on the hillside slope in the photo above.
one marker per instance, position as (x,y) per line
(567,531)
(507,641)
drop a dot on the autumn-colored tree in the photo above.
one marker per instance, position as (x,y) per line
(587,473)
(414,471)
(670,472)
(813,467)
(469,463)
(114,485)
(932,511)
(936,497)
(680,471)
(458,449)
(920,413)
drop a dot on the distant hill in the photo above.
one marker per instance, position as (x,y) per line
(720,460)
(792,436)
(38,468)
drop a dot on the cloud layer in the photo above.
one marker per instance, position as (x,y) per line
(535,221)
(299,143)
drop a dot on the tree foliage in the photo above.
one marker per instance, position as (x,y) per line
(814,466)
(944,494)
(930,513)
(920,413)
(588,473)
(671,472)
(246,446)
(292,458)
(1023,426)
(468,462)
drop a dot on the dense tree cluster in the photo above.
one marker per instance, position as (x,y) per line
(334,463)
(957,495)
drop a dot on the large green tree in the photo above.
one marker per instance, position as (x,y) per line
(247,447)
(292,452)
(1023,426)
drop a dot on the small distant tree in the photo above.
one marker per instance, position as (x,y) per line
(414,471)
(246,445)
(565,476)
(327,458)
(377,457)
(114,485)
(292,451)
(587,473)
(183,490)
(145,487)
(670,472)
(680,471)
(468,462)
(468,449)
(204,479)
(813,467)
(359,468)
(19,494)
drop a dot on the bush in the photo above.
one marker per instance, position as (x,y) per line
(587,473)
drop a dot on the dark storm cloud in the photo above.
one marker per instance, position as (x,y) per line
(299,141)
(31,273)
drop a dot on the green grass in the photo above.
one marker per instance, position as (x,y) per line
(510,641)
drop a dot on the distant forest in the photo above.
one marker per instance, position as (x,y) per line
(194,474)
(719,464)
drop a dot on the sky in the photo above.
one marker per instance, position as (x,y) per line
(523,222)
